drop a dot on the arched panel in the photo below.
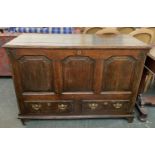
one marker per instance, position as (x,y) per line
(78,73)
(36,74)
(118,73)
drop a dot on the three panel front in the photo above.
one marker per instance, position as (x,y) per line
(78,72)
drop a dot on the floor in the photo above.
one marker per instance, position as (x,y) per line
(9,112)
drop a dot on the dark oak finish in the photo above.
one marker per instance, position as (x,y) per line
(76,76)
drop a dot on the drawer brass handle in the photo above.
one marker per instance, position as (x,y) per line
(36,106)
(62,106)
(93,106)
(117,105)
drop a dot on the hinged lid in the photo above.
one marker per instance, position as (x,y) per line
(75,41)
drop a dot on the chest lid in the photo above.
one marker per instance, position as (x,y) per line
(73,41)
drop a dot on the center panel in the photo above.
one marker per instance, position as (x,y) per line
(78,73)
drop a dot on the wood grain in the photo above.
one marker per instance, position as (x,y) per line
(72,75)
(75,41)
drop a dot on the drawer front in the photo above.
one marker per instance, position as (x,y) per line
(51,107)
(105,107)
(70,107)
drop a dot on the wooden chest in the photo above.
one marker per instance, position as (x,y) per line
(76,76)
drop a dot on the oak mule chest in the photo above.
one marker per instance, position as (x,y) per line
(76,76)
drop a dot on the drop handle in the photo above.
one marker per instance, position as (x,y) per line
(36,106)
(93,106)
(117,105)
(62,106)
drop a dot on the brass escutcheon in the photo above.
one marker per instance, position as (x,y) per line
(36,106)
(62,106)
(48,104)
(93,106)
(105,103)
(79,52)
(117,105)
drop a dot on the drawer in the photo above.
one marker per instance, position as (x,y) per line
(51,107)
(105,107)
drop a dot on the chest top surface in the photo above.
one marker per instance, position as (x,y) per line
(75,41)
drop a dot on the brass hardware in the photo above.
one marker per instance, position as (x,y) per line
(93,106)
(49,104)
(117,105)
(79,52)
(62,106)
(36,106)
(105,103)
